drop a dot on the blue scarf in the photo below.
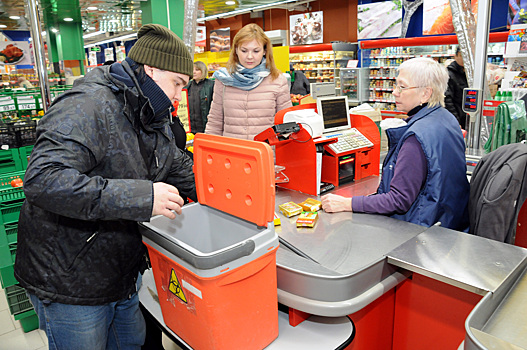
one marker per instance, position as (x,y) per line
(243,78)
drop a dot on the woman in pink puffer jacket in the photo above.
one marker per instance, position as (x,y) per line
(250,91)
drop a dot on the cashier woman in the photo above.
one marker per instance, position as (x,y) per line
(424,174)
(104,159)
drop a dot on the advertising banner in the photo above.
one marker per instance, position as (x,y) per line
(437,16)
(220,39)
(306,28)
(201,39)
(15,53)
(379,20)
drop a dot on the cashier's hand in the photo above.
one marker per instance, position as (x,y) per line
(333,203)
(166,199)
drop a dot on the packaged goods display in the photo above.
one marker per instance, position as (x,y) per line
(382,64)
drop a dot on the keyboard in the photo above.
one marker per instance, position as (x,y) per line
(350,140)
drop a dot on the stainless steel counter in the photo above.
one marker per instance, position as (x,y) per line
(499,321)
(354,258)
(466,261)
(349,250)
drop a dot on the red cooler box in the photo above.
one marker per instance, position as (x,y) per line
(215,264)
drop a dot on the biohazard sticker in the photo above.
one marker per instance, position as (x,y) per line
(175,287)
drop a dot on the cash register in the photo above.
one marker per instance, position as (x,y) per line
(348,148)
(343,142)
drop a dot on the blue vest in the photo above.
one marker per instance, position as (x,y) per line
(444,195)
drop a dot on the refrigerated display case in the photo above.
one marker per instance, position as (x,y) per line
(351,79)
(322,63)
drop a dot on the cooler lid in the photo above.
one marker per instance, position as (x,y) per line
(235,176)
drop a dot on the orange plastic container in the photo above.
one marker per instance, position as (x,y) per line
(215,264)
(235,310)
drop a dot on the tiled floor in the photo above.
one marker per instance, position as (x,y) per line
(12,337)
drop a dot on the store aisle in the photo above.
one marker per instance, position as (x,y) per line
(12,337)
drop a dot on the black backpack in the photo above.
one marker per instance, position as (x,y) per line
(497,193)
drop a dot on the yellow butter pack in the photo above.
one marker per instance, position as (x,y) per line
(277,221)
(307,219)
(311,204)
(290,209)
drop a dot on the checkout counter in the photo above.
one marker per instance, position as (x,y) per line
(361,281)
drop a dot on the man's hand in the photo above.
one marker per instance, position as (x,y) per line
(333,203)
(166,199)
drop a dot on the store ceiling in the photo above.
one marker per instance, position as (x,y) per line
(106,15)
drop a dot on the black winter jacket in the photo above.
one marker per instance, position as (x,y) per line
(454,93)
(198,118)
(87,185)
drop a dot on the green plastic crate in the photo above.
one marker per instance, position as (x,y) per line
(10,211)
(7,276)
(7,254)
(17,300)
(25,152)
(10,161)
(8,233)
(7,192)
(29,322)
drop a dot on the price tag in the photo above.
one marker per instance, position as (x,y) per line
(352,64)
(27,106)
(7,108)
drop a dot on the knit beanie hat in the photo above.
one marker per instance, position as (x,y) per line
(159,47)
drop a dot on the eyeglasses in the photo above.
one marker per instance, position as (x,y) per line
(400,89)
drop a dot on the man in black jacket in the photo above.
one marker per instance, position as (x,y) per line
(104,159)
(454,91)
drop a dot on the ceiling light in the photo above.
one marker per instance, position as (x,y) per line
(91,8)
(54,30)
(14,17)
(230,3)
(3,26)
(68,19)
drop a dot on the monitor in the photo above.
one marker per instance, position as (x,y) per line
(335,113)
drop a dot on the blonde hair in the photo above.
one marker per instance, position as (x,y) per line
(425,72)
(203,68)
(249,33)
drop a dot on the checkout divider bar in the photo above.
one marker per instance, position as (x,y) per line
(295,249)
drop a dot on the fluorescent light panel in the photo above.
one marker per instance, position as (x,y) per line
(89,35)
(240,11)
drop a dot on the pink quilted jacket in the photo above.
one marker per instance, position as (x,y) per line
(244,114)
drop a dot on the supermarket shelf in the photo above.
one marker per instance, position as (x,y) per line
(315,69)
(302,61)
(383,67)
(381,100)
(382,78)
